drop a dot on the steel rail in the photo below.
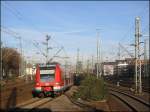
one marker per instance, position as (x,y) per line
(28,103)
(24,107)
(132,96)
(125,102)
(80,104)
(129,104)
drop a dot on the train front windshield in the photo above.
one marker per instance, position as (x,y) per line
(47,74)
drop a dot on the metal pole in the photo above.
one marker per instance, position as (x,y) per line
(119,51)
(21,56)
(47,48)
(77,63)
(1,68)
(88,67)
(26,63)
(65,71)
(138,80)
(92,64)
(139,56)
(97,65)
(145,59)
(32,68)
(136,57)
(100,58)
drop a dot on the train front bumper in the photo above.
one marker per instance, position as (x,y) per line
(36,92)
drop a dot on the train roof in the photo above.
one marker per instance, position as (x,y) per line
(53,64)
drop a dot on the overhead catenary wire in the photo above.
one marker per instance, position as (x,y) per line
(8,31)
(25,20)
(141,13)
(14,34)
(22,18)
(35,43)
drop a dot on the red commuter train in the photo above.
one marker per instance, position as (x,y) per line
(50,80)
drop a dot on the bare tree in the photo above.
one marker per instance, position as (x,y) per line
(10,61)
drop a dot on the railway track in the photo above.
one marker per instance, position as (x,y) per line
(34,105)
(144,96)
(82,105)
(39,105)
(133,103)
(31,101)
(129,84)
(31,105)
(145,89)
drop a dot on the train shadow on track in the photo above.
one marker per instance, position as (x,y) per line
(10,105)
(12,101)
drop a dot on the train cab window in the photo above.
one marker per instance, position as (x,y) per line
(47,74)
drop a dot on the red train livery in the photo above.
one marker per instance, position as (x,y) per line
(50,80)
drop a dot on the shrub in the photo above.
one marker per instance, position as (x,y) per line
(91,88)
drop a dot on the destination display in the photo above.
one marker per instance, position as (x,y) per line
(47,72)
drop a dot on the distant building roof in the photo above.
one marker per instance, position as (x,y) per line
(129,59)
(121,61)
(109,63)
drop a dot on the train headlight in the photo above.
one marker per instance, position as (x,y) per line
(37,84)
(38,88)
(57,83)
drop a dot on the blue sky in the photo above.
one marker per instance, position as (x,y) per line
(73,24)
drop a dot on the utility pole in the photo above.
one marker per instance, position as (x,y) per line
(82,66)
(21,57)
(145,59)
(119,51)
(47,48)
(92,64)
(97,65)
(26,63)
(100,58)
(88,67)
(138,81)
(77,63)
(119,55)
(1,68)
(65,71)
